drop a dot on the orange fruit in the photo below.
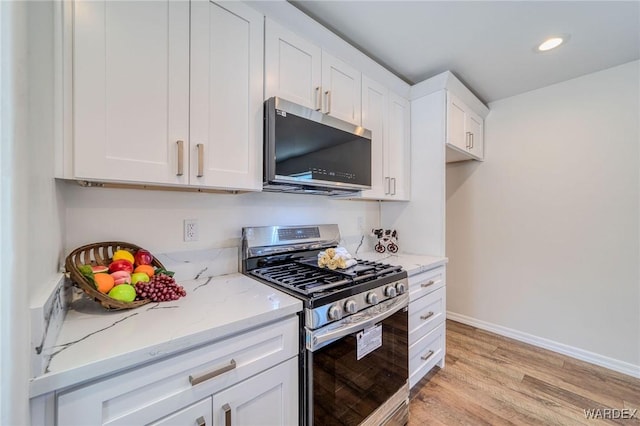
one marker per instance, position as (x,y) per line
(104,282)
(147,269)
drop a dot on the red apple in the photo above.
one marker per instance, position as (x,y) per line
(121,265)
(143,257)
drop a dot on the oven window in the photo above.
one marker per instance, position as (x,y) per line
(347,390)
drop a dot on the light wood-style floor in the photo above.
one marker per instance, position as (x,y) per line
(493,380)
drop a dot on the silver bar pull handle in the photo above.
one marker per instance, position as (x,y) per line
(200,421)
(472,140)
(227,414)
(387,185)
(394,186)
(328,101)
(180,145)
(318,100)
(200,148)
(426,317)
(369,317)
(468,140)
(427,356)
(194,380)
(427,284)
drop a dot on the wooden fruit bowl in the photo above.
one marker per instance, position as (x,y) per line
(100,254)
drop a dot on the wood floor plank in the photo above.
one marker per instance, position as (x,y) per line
(491,379)
(570,400)
(519,397)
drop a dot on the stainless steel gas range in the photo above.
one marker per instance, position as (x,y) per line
(353,329)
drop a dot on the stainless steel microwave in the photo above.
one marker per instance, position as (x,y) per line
(310,152)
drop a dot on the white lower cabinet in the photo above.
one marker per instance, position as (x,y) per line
(247,379)
(196,414)
(425,354)
(270,398)
(427,312)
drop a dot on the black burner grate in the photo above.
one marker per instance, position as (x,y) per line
(305,277)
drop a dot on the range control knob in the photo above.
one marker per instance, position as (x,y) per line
(401,288)
(334,313)
(372,298)
(390,291)
(350,306)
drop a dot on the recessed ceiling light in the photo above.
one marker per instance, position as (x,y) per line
(551,43)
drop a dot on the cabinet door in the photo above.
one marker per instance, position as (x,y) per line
(131,90)
(270,398)
(226,95)
(456,112)
(198,414)
(474,127)
(292,67)
(398,148)
(341,89)
(374,118)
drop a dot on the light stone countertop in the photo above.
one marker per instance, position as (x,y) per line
(94,342)
(412,263)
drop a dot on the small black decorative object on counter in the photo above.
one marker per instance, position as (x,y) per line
(387,240)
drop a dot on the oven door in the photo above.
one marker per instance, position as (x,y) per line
(355,367)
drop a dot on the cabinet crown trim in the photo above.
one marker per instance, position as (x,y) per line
(448,81)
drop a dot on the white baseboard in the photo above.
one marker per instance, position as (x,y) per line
(587,356)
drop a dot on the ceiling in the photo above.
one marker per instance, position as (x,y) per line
(489,45)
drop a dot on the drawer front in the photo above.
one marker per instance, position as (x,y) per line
(425,353)
(425,282)
(426,313)
(163,387)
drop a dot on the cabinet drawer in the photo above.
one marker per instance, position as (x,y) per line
(154,390)
(426,282)
(425,353)
(425,314)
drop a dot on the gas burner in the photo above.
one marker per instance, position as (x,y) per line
(287,259)
(304,276)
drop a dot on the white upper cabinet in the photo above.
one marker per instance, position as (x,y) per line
(387,115)
(292,67)
(226,96)
(464,136)
(341,89)
(398,148)
(375,115)
(301,72)
(130,90)
(166,96)
(475,126)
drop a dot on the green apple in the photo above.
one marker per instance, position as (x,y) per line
(139,277)
(123,292)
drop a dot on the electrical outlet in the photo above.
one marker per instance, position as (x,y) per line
(191,229)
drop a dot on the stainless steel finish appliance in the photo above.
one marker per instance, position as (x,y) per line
(311,152)
(353,329)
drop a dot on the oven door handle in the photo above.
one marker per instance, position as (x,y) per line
(365,319)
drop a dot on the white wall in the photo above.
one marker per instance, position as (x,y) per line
(31,219)
(543,237)
(154,219)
